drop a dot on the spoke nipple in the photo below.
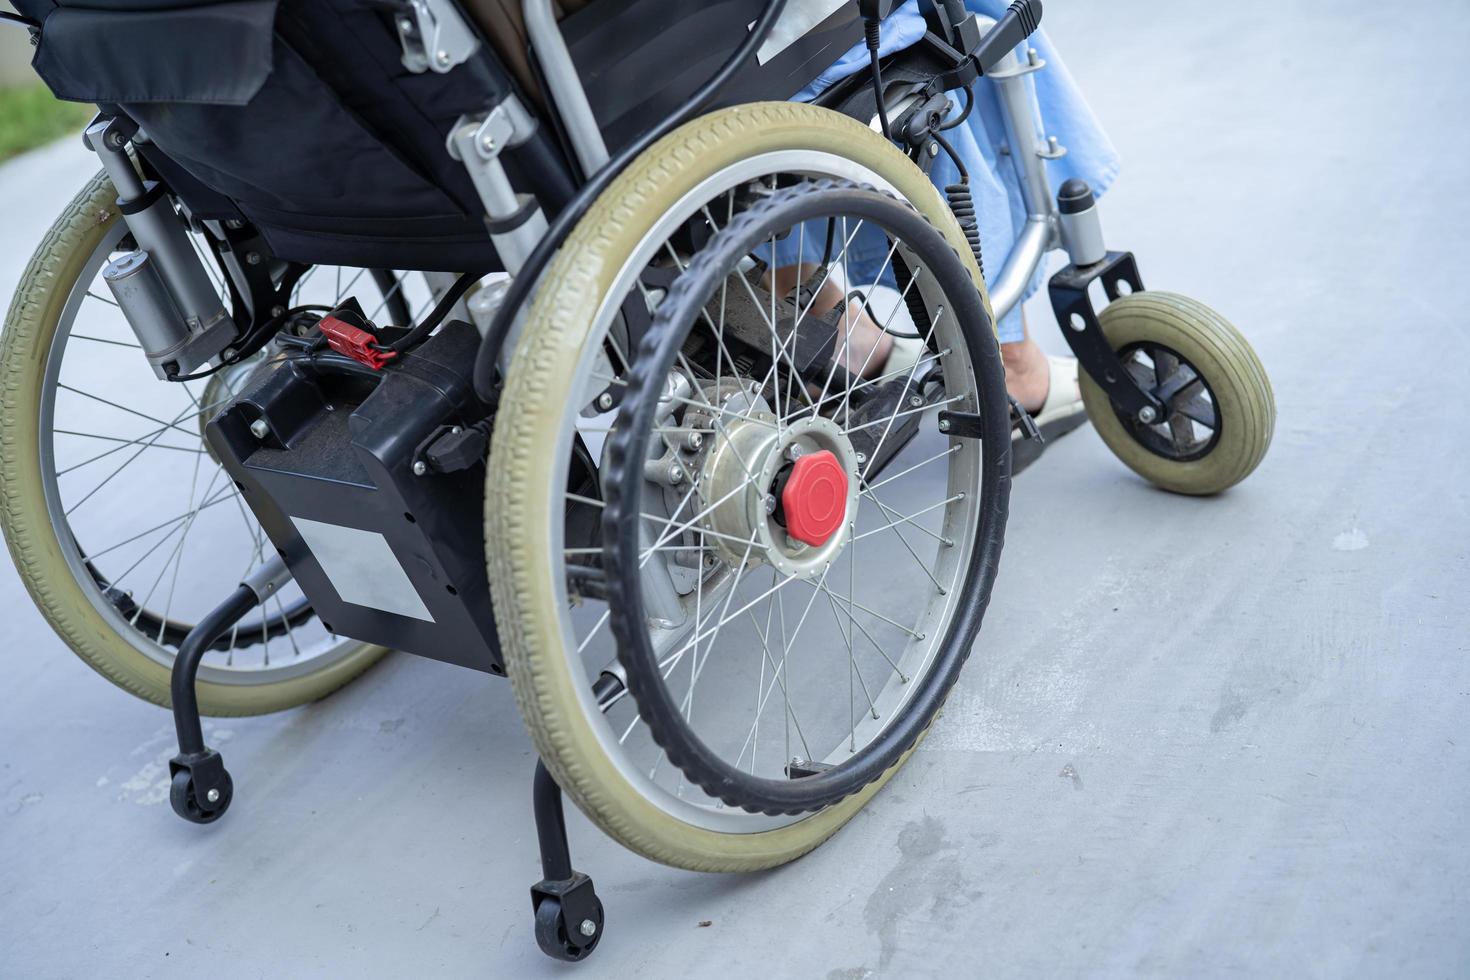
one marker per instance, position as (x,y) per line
(588,928)
(604,401)
(260,428)
(419,467)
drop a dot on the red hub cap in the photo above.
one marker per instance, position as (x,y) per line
(815,498)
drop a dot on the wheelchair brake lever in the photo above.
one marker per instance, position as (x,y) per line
(1017,24)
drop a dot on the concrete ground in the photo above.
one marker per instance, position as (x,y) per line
(1199,737)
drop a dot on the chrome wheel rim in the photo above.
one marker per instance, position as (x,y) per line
(106,502)
(658,784)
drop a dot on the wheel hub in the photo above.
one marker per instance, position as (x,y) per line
(814,500)
(784,497)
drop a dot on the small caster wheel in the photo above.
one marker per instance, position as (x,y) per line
(1219,411)
(184,798)
(563,939)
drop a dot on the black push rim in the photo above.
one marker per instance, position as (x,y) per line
(627,445)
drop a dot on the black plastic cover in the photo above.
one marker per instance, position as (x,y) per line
(339,450)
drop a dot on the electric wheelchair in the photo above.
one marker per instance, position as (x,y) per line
(458,329)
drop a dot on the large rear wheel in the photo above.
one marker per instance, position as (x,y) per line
(123,525)
(652,527)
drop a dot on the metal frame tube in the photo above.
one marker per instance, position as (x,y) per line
(1025,256)
(565,85)
(1020,109)
(1020,112)
(478,143)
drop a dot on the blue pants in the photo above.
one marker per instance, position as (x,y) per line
(994,183)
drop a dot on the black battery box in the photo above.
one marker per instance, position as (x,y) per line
(337,461)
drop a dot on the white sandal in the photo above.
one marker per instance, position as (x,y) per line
(1059,414)
(904,354)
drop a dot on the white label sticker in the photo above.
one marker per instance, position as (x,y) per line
(363,568)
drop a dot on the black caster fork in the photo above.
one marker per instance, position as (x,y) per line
(200,788)
(569,916)
(569,919)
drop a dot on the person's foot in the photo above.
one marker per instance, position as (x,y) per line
(1028,373)
(863,348)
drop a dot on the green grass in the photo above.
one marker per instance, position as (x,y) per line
(30,116)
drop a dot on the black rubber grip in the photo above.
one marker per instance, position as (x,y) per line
(1017,24)
(1028,13)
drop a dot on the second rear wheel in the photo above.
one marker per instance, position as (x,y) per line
(563,402)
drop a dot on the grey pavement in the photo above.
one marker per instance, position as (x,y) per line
(1197,738)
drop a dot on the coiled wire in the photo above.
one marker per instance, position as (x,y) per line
(962,202)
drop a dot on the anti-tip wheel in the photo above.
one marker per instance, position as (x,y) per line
(1219,408)
(183,797)
(563,940)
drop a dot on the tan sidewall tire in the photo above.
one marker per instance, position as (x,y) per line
(1243,396)
(518,514)
(29,328)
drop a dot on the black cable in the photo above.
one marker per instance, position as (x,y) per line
(872,32)
(421,332)
(877,321)
(270,326)
(969,105)
(530,272)
(948,148)
(34,25)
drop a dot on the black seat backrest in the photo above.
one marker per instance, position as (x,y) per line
(297,115)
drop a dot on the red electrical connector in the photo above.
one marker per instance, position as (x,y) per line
(353,342)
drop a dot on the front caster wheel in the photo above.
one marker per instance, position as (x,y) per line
(1219,409)
(196,807)
(565,936)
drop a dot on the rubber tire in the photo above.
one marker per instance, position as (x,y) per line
(1244,402)
(183,798)
(518,504)
(29,327)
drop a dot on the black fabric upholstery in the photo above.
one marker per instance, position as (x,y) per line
(218,54)
(297,115)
